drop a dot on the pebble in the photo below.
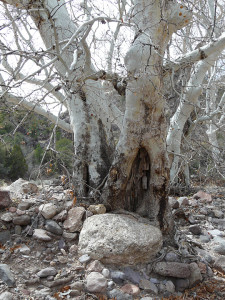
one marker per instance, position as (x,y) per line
(48,210)
(148,286)
(119,295)
(41,234)
(130,289)
(84,258)
(220,249)
(195,229)
(7,217)
(24,250)
(95,266)
(21,220)
(6,296)
(53,227)
(50,271)
(18,229)
(73,221)
(118,277)
(70,236)
(96,282)
(6,275)
(106,273)
(24,205)
(173,269)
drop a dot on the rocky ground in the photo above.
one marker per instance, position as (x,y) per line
(39,256)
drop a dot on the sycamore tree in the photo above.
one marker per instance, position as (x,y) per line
(112,64)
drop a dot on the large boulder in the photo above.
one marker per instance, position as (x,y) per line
(119,239)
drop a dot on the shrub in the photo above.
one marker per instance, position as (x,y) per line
(16,163)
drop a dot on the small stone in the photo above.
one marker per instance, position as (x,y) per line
(132,275)
(75,293)
(215,232)
(53,227)
(84,258)
(196,276)
(61,216)
(74,219)
(170,287)
(24,250)
(130,289)
(62,259)
(204,238)
(24,205)
(18,229)
(20,212)
(218,214)
(7,217)
(202,267)
(77,285)
(6,275)
(12,209)
(106,273)
(6,296)
(70,236)
(21,220)
(50,271)
(73,249)
(173,269)
(172,257)
(4,236)
(95,266)
(63,251)
(147,298)
(119,295)
(41,234)
(110,284)
(148,286)
(203,197)
(118,277)
(96,282)
(195,229)
(97,209)
(48,210)
(220,249)
(181,284)
(61,244)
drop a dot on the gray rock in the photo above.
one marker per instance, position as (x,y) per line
(96,282)
(195,229)
(74,219)
(218,214)
(18,229)
(41,234)
(170,287)
(215,232)
(132,275)
(118,295)
(95,266)
(173,269)
(7,217)
(6,275)
(6,296)
(5,200)
(21,220)
(24,249)
(196,276)
(172,257)
(4,236)
(97,209)
(220,249)
(70,236)
(24,205)
(84,258)
(77,285)
(118,276)
(61,216)
(119,239)
(148,286)
(53,227)
(48,210)
(50,271)
(220,264)
(204,238)
(181,284)
(147,298)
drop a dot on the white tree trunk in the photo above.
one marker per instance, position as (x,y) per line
(139,175)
